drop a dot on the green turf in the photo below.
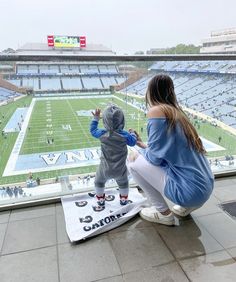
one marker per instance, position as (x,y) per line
(204,129)
(6,144)
(63,112)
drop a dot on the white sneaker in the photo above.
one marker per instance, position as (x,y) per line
(181,211)
(153,215)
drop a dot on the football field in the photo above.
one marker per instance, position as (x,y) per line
(55,138)
(63,124)
(55,134)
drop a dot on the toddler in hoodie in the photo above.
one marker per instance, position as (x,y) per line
(114,140)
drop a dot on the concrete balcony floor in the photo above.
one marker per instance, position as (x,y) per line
(34,247)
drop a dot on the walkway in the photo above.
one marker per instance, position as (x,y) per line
(34,247)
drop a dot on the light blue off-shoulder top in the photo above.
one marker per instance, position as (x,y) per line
(189,177)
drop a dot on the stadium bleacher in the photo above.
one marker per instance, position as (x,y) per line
(202,86)
(17,81)
(108,80)
(29,82)
(200,66)
(92,83)
(6,94)
(65,77)
(89,69)
(47,69)
(72,83)
(51,83)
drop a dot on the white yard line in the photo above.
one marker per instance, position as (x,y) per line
(71,98)
(130,104)
(76,116)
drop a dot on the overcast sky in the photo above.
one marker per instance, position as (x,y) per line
(123,25)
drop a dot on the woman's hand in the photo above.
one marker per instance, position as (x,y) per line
(139,140)
(141,144)
(97,113)
(131,130)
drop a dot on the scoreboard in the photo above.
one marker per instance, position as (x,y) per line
(64,41)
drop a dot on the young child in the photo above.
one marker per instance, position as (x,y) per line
(114,141)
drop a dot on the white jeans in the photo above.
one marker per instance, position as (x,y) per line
(152,180)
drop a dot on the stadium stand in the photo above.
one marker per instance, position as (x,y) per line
(92,83)
(46,78)
(71,83)
(7,95)
(29,82)
(206,87)
(200,66)
(107,81)
(16,82)
(8,92)
(50,83)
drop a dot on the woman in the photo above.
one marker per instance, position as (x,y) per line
(173,163)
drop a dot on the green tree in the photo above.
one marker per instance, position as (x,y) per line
(180,49)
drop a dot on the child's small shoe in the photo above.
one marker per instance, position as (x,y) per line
(124,200)
(101,200)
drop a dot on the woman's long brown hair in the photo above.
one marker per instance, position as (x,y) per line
(161,92)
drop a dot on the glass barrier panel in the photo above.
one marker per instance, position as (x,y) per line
(46,149)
